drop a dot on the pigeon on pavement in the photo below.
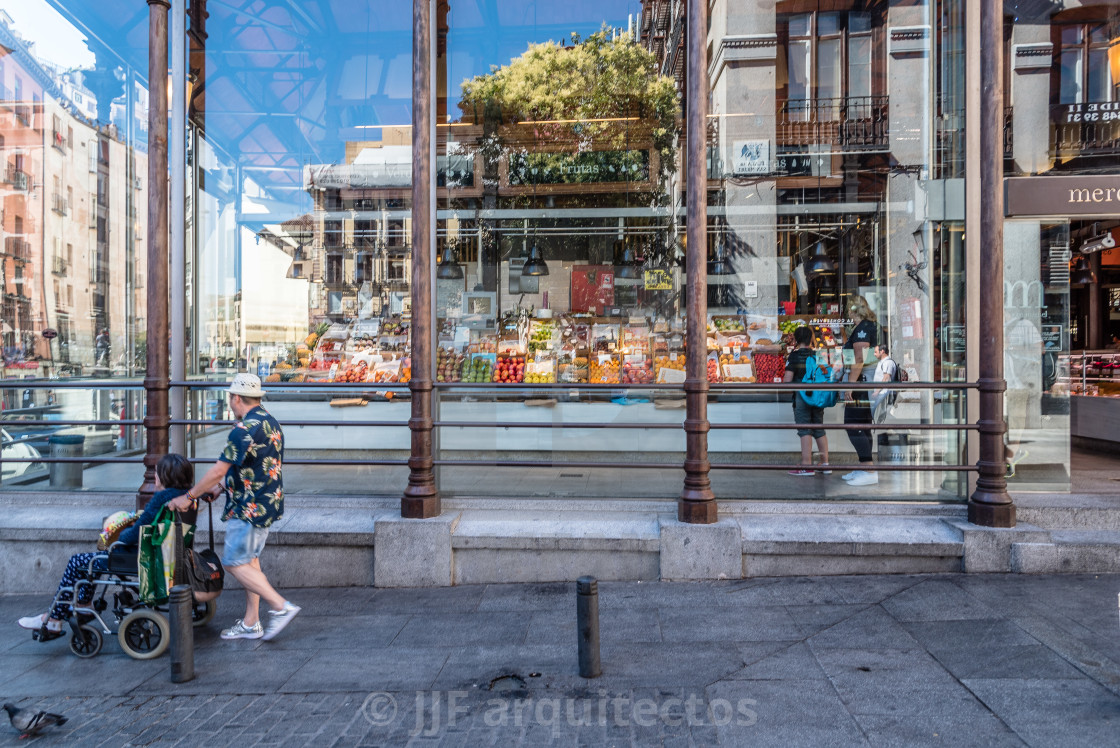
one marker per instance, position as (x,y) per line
(31,723)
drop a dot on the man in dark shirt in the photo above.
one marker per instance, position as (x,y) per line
(250,466)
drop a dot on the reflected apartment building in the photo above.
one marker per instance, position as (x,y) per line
(73,218)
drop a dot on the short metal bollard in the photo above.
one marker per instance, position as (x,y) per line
(587,625)
(182,633)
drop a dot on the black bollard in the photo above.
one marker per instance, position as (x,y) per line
(587,625)
(181,614)
(182,633)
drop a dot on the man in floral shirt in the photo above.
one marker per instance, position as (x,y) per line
(250,465)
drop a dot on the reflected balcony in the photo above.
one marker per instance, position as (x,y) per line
(58,204)
(17,248)
(16,178)
(1089,129)
(852,123)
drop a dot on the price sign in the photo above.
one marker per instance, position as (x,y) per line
(658,280)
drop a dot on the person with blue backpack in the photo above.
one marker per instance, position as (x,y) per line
(808,405)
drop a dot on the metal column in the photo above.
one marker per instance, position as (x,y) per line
(697,502)
(421,499)
(990,504)
(155,378)
(177,153)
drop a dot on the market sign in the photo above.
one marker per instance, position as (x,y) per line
(1092,111)
(591,167)
(50,334)
(1062,196)
(658,280)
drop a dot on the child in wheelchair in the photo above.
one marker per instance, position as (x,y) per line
(142,627)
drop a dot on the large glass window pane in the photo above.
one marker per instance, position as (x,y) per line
(1071,76)
(302,261)
(560,255)
(73,227)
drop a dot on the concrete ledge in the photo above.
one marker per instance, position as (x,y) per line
(413,552)
(1065,558)
(492,565)
(988,549)
(694,552)
(774,565)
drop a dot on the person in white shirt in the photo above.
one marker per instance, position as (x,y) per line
(884,372)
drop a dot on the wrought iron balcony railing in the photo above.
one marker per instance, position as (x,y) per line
(16,178)
(1092,129)
(855,122)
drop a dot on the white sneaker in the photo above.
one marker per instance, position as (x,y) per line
(278,619)
(849,476)
(34,623)
(240,631)
(864,479)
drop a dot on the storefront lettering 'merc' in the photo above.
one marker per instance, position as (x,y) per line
(1095,195)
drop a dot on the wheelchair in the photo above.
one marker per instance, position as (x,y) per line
(112,584)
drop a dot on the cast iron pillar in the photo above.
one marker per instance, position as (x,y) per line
(697,503)
(421,499)
(156,371)
(990,504)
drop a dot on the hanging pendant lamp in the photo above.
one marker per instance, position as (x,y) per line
(535,266)
(820,263)
(449,267)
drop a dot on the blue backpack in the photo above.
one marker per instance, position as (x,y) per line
(815,374)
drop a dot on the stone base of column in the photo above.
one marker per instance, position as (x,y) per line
(991,515)
(697,512)
(412,553)
(420,507)
(701,551)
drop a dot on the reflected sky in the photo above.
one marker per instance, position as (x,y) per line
(288,82)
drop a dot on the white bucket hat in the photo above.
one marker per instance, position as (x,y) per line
(246,385)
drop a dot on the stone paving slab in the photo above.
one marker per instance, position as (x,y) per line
(918,660)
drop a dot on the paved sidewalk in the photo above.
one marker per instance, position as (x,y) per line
(886,660)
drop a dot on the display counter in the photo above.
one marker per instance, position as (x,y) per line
(1092,380)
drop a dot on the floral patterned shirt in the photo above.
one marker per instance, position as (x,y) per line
(254,451)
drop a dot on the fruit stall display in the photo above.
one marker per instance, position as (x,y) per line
(509,369)
(477,369)
(449,365)
(604,370)
(668,362)
(637,373)
(769,367)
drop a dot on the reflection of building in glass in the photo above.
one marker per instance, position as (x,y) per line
(73,258)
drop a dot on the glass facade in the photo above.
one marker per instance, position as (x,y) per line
(836,165)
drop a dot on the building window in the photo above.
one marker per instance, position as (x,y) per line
(829,59)
(1081,54)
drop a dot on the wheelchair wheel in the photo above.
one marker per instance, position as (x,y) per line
(144,634)
(203,613)
(86,642)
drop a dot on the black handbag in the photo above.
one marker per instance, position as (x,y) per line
(204,568)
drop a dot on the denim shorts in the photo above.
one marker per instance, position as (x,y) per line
(244,542)
(803,412)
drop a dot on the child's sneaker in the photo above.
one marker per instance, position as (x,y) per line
(240,631)
(278,619)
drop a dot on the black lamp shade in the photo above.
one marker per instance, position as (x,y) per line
(535,266)
(820,263)
(1082,274)
(449,267)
